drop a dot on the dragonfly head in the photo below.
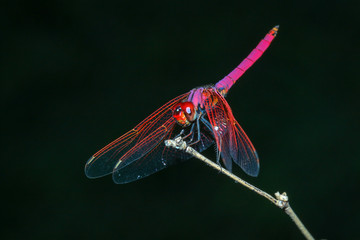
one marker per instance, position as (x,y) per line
(184,113)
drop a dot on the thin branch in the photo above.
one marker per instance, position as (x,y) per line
(280,200)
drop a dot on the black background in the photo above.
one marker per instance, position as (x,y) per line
(77,74)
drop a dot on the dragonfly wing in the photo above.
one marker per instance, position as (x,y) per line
(159,157)
(220,124)
(231,140)
(139,153)
(103,162)
(217,125)
(244,153)
(226,151)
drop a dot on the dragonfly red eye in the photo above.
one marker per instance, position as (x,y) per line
(188,108)
(179,115)
(184,113)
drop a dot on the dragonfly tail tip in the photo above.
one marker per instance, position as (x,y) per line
(274,30)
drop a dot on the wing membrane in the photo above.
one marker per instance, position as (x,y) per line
(104,161)
(244,153)
(145,145)
(231,140)
(159,158)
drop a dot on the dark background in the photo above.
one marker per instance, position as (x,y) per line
(78,74)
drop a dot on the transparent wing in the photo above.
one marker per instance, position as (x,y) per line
(244,153)
(104,161)
(231,140)
(159,157)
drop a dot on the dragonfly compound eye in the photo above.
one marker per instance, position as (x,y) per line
(184,113)
(188,108)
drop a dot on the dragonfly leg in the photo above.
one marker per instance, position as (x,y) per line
(198,131)
(181,133)
(218,153)
(191,133)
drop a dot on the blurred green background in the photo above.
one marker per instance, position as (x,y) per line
(77,74)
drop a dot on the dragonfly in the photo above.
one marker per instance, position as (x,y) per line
(202,117)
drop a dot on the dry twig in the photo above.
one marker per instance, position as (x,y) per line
(280,200)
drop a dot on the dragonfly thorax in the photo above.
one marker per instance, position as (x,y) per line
(184,113)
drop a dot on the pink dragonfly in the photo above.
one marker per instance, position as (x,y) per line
(202,117)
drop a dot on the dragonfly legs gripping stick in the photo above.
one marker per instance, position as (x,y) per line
(280,200)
